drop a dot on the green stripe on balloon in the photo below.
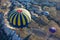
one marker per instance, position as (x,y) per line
(12,12)
(12,17)
(14,20)
(19,23)
(23,20)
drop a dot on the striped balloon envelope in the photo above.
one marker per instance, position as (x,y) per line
(19,18)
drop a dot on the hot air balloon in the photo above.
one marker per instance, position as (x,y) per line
(19,18)
(46,13)
(52,29)
(51,32)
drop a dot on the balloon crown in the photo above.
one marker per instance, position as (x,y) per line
(19,11)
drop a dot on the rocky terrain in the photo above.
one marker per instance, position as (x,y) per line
(39,27)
